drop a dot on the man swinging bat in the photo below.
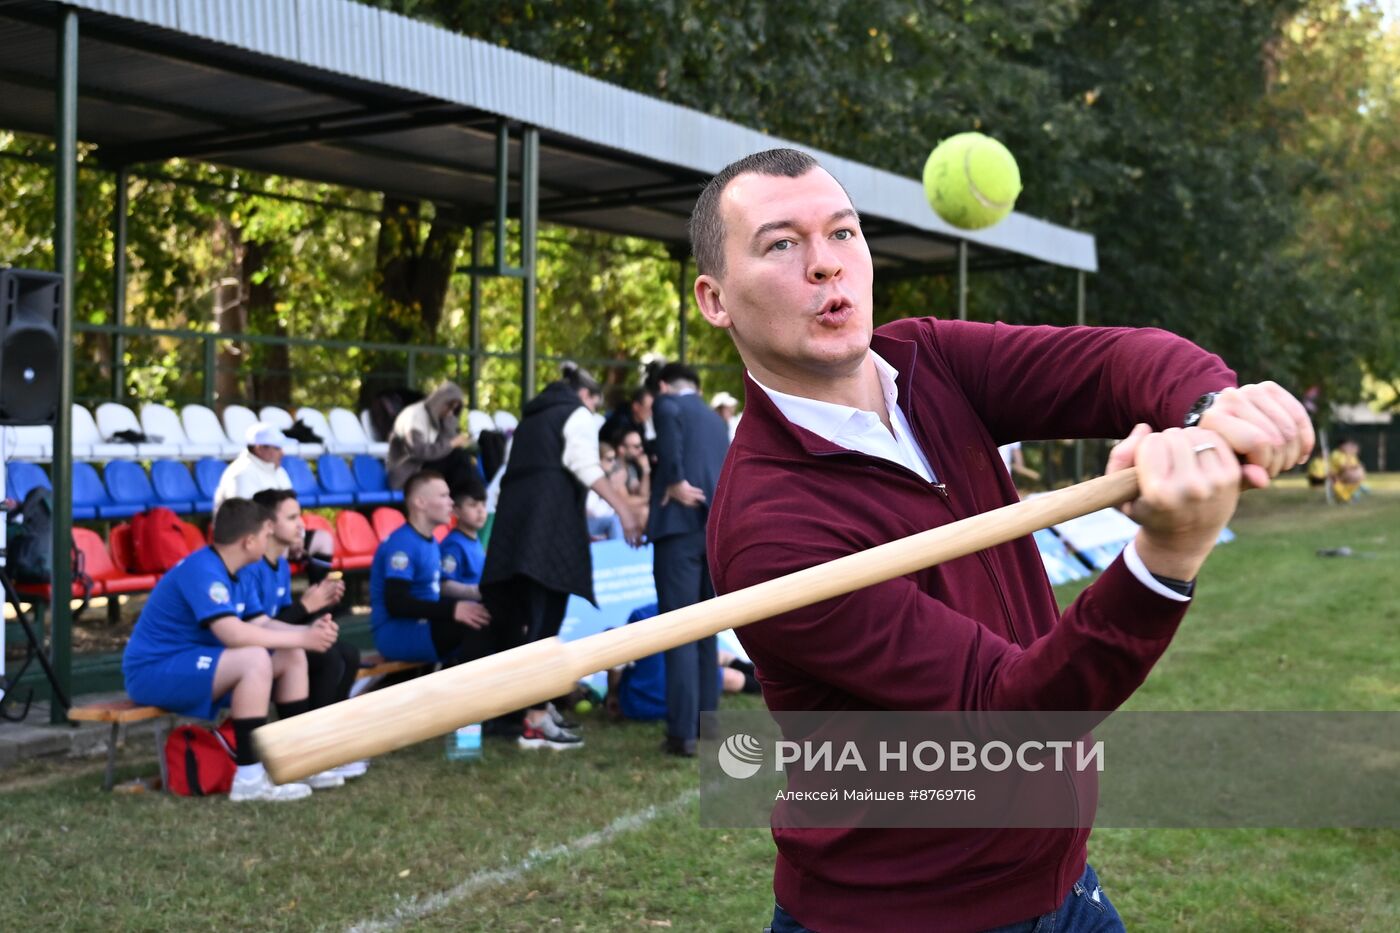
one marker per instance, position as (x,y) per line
(852,438)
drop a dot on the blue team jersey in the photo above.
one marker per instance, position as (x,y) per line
(404,555)
(269,586)
(462,558)
(188,597)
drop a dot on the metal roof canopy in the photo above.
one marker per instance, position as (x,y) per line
(333,91)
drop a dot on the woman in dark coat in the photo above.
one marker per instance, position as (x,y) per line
(539,551)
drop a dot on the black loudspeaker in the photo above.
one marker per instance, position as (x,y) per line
(30,303)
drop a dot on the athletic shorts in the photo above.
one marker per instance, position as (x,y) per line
(406,641)
(182,683)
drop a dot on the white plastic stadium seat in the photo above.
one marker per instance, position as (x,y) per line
(202,427)
(88,443)
(113,417)
(348,431)
(282,420)
(506,422)
(164,422)
(316,421)
(237,420)
(27,442)
(367,425)
(478,421)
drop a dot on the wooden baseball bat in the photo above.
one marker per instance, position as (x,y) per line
(406,713)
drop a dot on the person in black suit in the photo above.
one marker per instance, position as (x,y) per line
(691,442)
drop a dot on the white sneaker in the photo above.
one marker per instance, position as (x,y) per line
(262,788)
(325,780)
(353,770)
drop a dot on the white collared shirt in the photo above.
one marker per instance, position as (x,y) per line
(864,432)
(854,429)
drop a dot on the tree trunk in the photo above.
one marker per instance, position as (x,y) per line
(413,272)
(230,315)
(271,373)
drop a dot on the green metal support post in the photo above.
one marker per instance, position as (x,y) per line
(474,366)
(502,190)
(119,212)
(211,375)
(962,280)
(65,264)
(529,231)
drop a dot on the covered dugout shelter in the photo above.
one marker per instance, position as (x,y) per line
(334,91)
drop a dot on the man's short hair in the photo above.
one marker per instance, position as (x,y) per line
(673,373)
(706,224)
(238,518)
(468,488)
(272,499)
(417,481)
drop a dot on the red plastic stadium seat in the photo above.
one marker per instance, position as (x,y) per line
(386,521)
(119,543)
(356,540)
(441,531)
(107,577)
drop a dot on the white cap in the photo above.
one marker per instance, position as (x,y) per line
(724,398)
(262,434)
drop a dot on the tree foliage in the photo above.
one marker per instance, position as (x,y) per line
(1234,158)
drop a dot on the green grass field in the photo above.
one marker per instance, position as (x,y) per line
(607,838)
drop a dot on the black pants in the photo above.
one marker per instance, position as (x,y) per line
(523,611)
(456,643)
(332,673)
(458,468)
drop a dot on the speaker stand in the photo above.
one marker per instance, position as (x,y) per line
(36,650)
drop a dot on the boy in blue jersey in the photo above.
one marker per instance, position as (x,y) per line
(202,642)
(413,617)
(332,673)
(462,553)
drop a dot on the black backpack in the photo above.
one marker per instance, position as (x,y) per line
(29,541)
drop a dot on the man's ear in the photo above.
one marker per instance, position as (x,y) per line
(709,299)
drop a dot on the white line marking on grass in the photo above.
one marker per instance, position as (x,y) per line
(490,878)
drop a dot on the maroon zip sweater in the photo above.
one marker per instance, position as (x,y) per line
(981,632)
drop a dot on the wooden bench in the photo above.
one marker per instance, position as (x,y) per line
(118,713)
(123,711)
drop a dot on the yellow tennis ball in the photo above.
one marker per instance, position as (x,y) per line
(971,180)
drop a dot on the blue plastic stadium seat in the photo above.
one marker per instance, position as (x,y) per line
(372,480)
(21,477)
(176,489)
(304,482)
(337,485)
(89,495)
(130,490)
(207,473)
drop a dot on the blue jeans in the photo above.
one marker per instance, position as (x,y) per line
(1086,909)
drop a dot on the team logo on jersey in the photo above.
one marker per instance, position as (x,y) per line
(449,564)
(399,560)
(204,663)
(218,592)
(281,591)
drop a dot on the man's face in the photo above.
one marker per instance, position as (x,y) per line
(287,526)
(269,453)
(256,544)
(796,289)
(471,514)
(631,446)
(434,498)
